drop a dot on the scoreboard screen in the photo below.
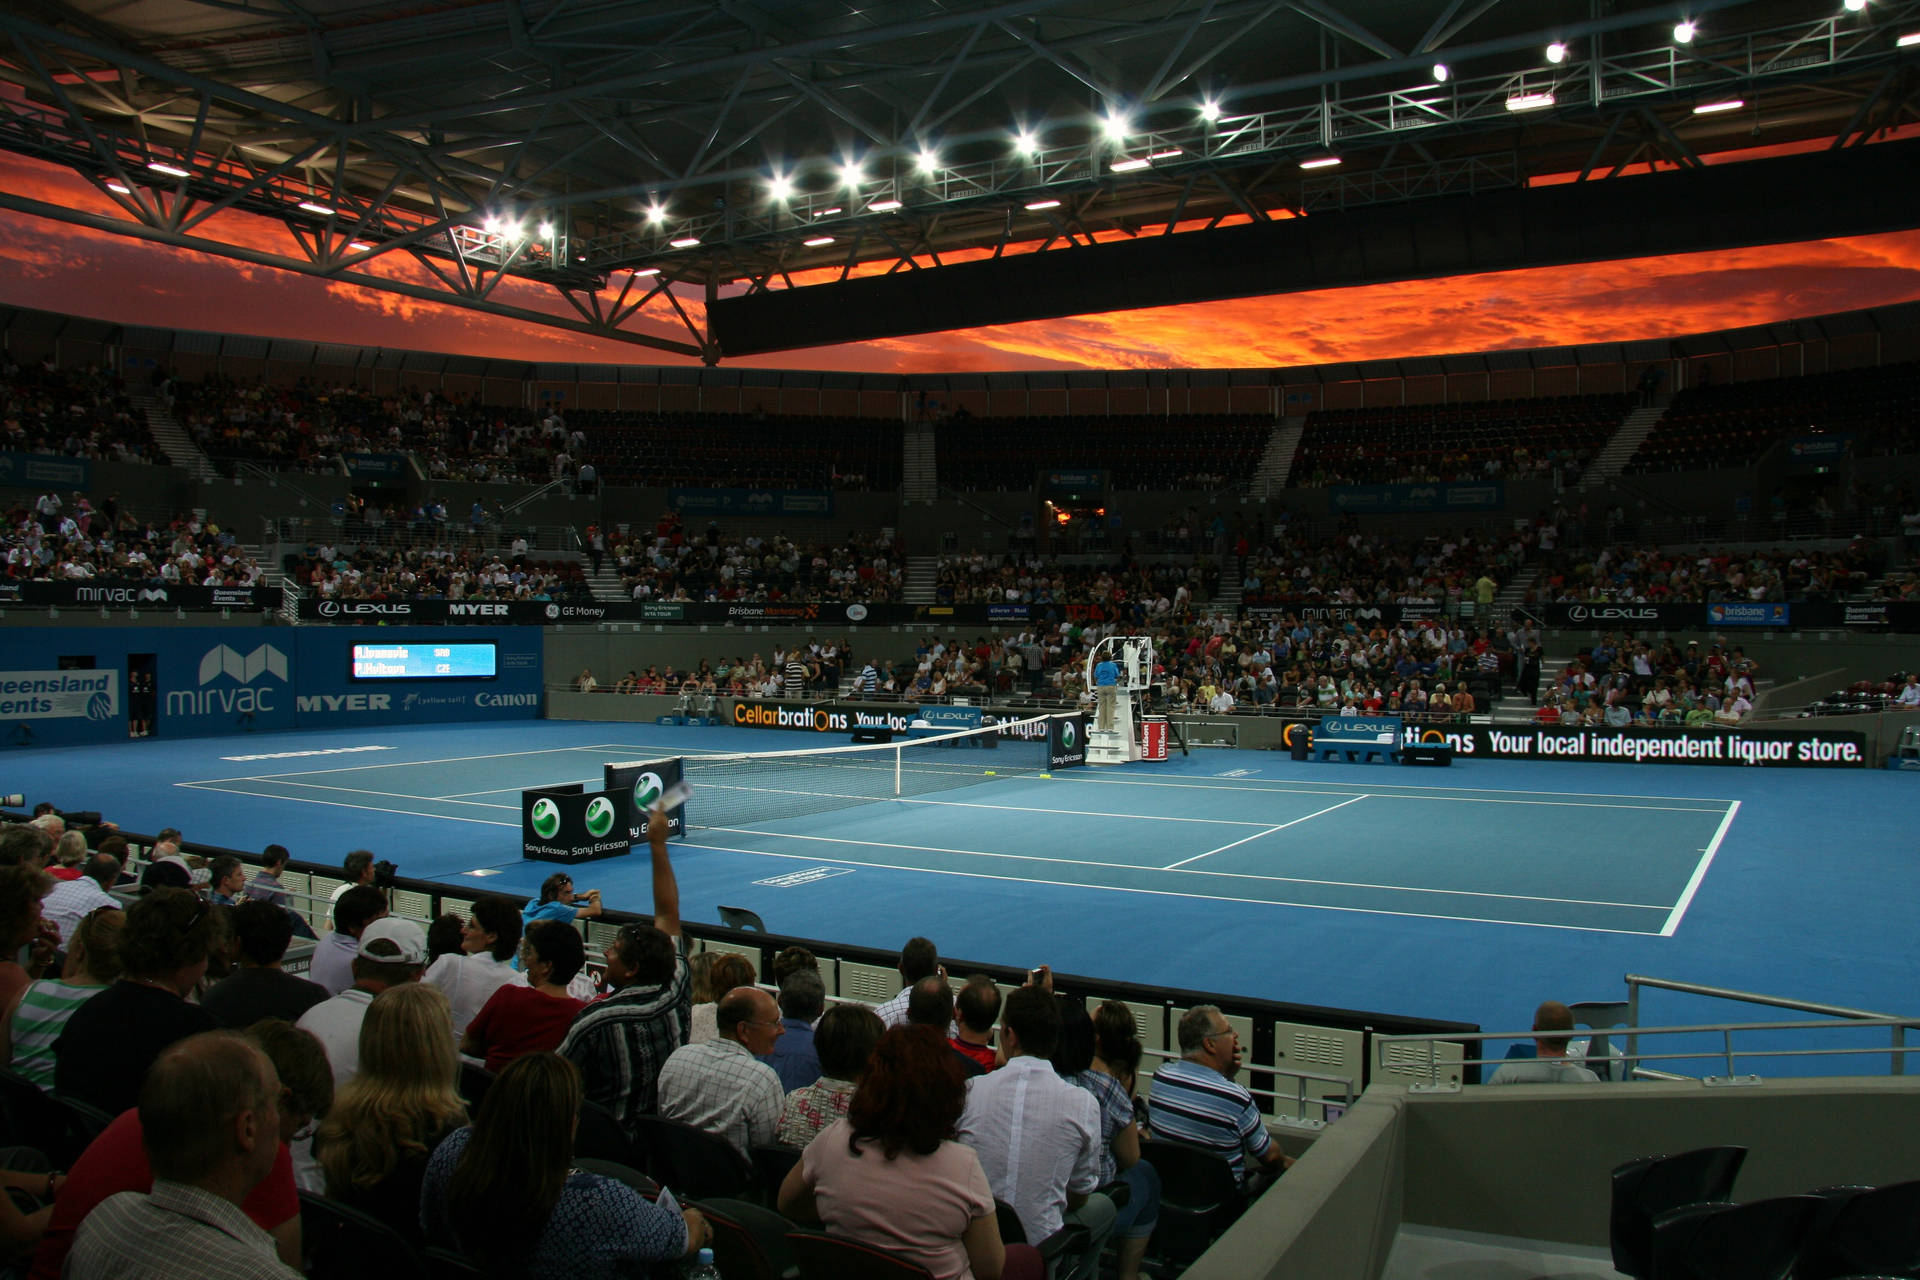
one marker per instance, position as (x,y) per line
(427,660)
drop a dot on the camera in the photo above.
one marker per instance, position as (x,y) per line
(384,874)
(13,802)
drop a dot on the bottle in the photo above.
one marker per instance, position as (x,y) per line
(702,1268)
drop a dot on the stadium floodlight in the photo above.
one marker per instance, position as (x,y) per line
(314,206)
(1038,205)
(1440,72)
(929,160)
(817,242)
(492,225)
(359,246)
(883,206)
(1529,101)
(780,188)
(1116,125)
(1209,110)
(851,174)
(1725,104)
(1128,166)
(1556,52)
(1025,143)
(684,242)
(171,170)
(1168,154)
(546,231)
(1320,162)
(1855,6)
(1684,32)
(656,212)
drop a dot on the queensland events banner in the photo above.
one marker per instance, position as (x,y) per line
(1359,498)
(1764,748)
(751,502)
(64,686)
(133,595)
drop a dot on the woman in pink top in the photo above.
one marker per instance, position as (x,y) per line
(891,1175)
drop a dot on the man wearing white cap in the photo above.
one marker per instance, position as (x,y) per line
(391,951)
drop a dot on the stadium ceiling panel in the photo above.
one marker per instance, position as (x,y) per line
(629,156)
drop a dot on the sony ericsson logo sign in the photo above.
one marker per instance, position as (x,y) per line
(231,683)
(600,815)
(1612,613)
(1068,735)
(647,789)
(545,818)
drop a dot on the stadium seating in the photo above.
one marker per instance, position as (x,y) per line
(1456,442)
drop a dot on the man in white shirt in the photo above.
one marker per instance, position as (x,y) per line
(390,952)
(721,1086)
(1550,1064)
(74,900)
(485,961)
(1037,1135)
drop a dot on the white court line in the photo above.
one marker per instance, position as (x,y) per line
(1302,788)
(359,791)
(1220,875)
(1173,893)
(1256,835)
(396,764)
(216,784)
(1699,873)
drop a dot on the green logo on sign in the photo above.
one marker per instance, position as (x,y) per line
(546,819)
(1067,735)
(599,817)
(646,790)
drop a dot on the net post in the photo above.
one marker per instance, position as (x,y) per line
(898,753)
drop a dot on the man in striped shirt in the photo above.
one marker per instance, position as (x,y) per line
(1196,1102)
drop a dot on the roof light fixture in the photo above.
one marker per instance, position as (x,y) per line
(1725,104)
(1025,142)
(1907,41)
(1168,154)
(1683,32)
(656,212)
(851,174)
(1038,205)
(546,231)
(640,273)
(1116,126)
(171,170)
(684,242)
(314,206)
(1440,72)
(1209,110)
(929,160)
(1529,101)
(1128,166)
(119,187)
(828,213)
(1855,6)
(883,206)
(780,187)
(1556,52)
(816,242)
(1320,162)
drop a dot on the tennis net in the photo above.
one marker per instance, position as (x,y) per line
(749,788)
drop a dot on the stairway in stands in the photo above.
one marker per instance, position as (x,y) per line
(173,439)
(922,571)
(1276,464)
(1613,458)
(919,467)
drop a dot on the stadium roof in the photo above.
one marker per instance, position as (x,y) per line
(826,172)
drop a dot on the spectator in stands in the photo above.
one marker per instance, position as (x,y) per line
(225,878)
(259,987)
(792,959)
(505,1193)
(1550,1064)
(532,1018)
(116,1160)
(485,964)
(1039,1137)
(392,953)
(1073,1059)
(69,852)
(22,931)
(844,1041)
(727,970)
(620,1043)
(1196,1101)
(73,900)
(353,911)
(918,959)
(110,1041)
(393,1114)
(359,871)
(719,1086)
(891,1174)
(210,1125)
(1909,699)
(266,884)
(559,902)
(29,1030)
(584,682)
(803,998)
(975,1010)
(930,1004)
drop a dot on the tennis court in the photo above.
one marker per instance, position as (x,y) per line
(1463,893)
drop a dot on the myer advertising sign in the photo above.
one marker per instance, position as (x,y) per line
(59,695)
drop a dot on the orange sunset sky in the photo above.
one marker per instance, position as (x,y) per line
(57,267)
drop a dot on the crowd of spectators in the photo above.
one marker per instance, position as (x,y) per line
(1622,680)
(1651,575)
(70,539)
(310,427)
(1474,441)
(1358,567)
(675,563)
(1867,412)
(81,412)
(435,572)
(1132,589)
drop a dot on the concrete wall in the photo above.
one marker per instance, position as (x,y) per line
(1534,1163)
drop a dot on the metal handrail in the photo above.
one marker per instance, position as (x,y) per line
(1897,1047)
(1301,1078)
(1637,981)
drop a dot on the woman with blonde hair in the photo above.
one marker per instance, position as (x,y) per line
(385,1124)
(29,1029)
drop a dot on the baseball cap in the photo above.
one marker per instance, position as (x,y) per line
(402,942)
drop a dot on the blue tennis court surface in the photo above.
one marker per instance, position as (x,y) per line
(1469,893)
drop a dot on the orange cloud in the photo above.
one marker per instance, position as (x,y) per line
(58,267)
